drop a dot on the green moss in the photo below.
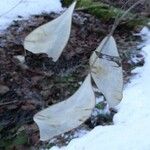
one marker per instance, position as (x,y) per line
(137,22)
(102,13)
(100,106)
(106,12)
(80,3)
(66,79)
(70,82)
(21,139)
(13,140)
(84,3)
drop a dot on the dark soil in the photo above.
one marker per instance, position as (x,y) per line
(39,82)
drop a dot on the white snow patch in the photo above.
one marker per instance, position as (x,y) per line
(131,129)
(10,9)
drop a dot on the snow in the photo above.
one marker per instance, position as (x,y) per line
(11,9)
(131,129)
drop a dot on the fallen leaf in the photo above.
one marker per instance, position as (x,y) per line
(106,71)
(52,37)
(66,115)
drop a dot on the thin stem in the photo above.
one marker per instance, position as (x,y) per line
(116,23)
(124,14)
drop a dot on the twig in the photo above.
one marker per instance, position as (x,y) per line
(124,14)
(96,5)
(8,103)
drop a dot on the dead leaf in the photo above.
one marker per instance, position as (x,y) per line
(52,37)
(106,71)
(66,115)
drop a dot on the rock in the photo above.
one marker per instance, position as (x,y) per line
(3,89)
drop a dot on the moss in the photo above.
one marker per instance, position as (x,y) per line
(21,139)
(100,106)
(106,12)
(80,3)
(13,140)
(70,82)
(137,22)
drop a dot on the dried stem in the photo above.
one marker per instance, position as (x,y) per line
(124,14)
(116,23)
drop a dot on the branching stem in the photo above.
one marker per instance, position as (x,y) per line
(116,23)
